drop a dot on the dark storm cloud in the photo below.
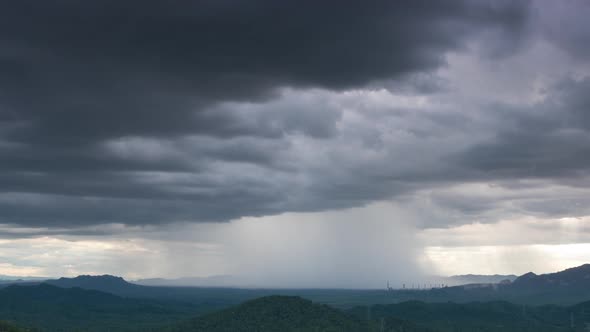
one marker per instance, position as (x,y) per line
(40,210)
(80,71)
(129,111)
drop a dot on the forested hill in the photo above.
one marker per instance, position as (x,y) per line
(286,314)
(275,313)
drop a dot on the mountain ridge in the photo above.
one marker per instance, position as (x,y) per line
(578,276)
(105,283)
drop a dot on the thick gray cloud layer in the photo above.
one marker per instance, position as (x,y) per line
(78,72)
(146,113)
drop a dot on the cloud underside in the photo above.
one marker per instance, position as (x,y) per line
(151,113)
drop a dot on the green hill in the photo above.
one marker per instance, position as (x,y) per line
(275,313)
(287,314)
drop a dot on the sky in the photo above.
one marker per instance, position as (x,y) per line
(294,144)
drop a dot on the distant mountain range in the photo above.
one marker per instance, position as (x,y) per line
(8,277)
(50,308)
(13,279)
(103,303)
(476,279)
(232,281)
(212,281)
(106,283)
(566,287)
(573,278)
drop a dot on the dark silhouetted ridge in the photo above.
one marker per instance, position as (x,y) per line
(525,278)
(572,278)
(105,283)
